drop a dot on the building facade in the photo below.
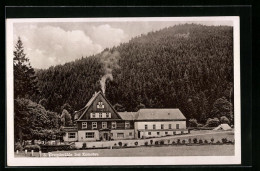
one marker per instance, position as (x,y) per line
(99,121)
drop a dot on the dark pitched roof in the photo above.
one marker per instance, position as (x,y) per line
(128,115)
(160,114)
(85,109)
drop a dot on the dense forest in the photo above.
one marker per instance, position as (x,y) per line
(188,66)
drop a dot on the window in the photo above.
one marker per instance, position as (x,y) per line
(149,133)
(72,135)
(158,133)
(170,126)
(100,105)
(100,115)
(145,126)
(120,135)
(162,126)
(177,126)
(90,134)
(127,124)
(166,133)
(111,134)
(130,134)
(84,125)
(113,125)
(154,126)
(93,115)
(107,115)
(94,125)
(104,124)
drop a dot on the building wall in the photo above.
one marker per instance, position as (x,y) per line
(67,139)
(82,135)
(128,134)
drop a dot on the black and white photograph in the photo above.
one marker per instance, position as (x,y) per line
(123,91)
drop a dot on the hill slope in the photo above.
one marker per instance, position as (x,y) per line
(186,66)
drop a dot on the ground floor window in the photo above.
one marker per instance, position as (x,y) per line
(166,133)
(120,135)
(72,135)
(158,133)
(90,134)
(149,133)
(130,134)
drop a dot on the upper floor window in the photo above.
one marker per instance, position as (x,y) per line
(114,125)
(177,126)
(104,124)
(154,126)
(93,115)
(162,126)
(90,134)
(170,126)
(84,125)
(127,124)
(72,135)
(100,105)
(145,126)
(94,125)
(100,115)
(107,115)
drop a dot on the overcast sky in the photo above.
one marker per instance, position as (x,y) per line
(50,44)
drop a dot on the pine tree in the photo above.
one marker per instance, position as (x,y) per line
(25,81)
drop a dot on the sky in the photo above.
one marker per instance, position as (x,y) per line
(52,43)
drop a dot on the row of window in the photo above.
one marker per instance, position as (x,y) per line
(100,115)
(92,135)
(162,126)
(104,125)
(158,133)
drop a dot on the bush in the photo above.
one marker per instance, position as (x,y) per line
(212,122)
(200,125)
(84,145)
(146,143)
(120,144)
(169,141)
(136,143)
(224,120)
(183,141)
(115,144)
(224,140)
(18,146)
(218,142)
(212,140)
(151,142)
(156,142)
(195,140)
(193,123)
(173,142)
(189,140)
(35,148)
(161,142)
(206,141)
(200,141)
(178,141)
(125,145)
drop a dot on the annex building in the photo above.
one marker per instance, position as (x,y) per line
(99,121)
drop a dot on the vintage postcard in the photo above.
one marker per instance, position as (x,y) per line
(123,91)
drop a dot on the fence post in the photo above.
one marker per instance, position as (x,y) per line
(25,152)
(17,152)
(40,153)
(32,152)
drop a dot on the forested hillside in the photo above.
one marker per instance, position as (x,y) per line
(189,67)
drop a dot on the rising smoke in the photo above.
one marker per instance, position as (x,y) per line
(110,61)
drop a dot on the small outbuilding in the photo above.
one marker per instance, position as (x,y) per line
(224,127)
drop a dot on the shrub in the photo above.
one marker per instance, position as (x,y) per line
(84,145)
(206,141)
(183,141)
(146,143)
(218,142)
(125,145)
(200,125)
(120,144)
(189,140)
(212,122)
(18,146)
(212,140)
(161,142)
(224,120)
(200,141)
(193,123)
(35,148)
(173,142)
(156,142)
(169,141)
(136,143)
(151,142)
(73,147)
(195,140)
(178,141)
(224,140)
(115,144)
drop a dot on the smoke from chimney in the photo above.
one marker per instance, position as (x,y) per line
(110,61)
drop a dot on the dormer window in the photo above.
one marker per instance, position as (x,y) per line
(100,105)
(127,124)
(84,125)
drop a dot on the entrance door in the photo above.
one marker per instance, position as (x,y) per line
(105,136)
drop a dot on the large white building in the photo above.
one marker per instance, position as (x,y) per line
(98,120)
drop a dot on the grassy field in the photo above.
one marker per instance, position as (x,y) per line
(182,150)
